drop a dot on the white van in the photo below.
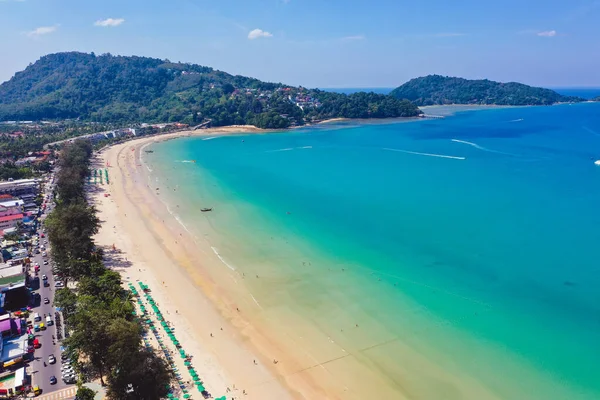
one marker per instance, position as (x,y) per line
(49,321)
(36,317)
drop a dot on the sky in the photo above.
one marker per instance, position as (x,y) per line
(322,43)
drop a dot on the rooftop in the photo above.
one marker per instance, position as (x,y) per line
(11,217)
(13,348)
(11,203)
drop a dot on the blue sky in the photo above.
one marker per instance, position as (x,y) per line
(322,43)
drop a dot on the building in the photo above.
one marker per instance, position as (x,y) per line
(20,187)
(11,207)
(12,276)
(14,345)
(10,221)
(13,383)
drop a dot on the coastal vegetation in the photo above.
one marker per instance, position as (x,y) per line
(119,89)
(437,89)
(105,339)
(19,139)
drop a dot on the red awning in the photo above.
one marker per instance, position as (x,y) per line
(11,217)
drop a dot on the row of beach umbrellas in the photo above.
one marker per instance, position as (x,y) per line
(195,378)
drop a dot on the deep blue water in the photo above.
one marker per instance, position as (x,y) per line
(586,93)
(488,219)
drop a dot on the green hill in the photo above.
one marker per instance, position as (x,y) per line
(436,89)
(110,88)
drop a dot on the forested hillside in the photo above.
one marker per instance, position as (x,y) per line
(436,89)
(112,89)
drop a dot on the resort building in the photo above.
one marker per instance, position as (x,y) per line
(20,187)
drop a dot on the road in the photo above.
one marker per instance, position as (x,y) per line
(41,375)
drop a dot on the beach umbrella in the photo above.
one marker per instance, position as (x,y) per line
(186,396)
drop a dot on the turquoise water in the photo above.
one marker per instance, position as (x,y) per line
(473,238)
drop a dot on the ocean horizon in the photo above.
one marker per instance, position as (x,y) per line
(453,258)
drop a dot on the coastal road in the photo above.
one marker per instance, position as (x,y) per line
(41,375)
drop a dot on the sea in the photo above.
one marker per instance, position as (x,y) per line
(449,258)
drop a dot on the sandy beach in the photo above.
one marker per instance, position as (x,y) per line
(142,231)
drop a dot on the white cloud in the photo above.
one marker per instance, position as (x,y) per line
(42,30)
(258,33)
(109,22)
(547,33)
(355,37)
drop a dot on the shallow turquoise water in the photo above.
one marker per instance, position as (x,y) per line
(487,220)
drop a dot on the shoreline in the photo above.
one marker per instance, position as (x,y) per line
(140,228)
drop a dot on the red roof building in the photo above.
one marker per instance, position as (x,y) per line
(10,221)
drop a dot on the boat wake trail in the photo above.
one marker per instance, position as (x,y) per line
(471,144)
(210,138)
(516,120)
(288,149)
(426,154)
(221,258)
(593,132)
(478,147)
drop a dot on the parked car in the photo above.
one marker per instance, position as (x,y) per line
(59,284)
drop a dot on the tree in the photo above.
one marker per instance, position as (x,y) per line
(67,300)
(12,237)
(105,286)
(102,334)
(84,393)
(143,376)
(70,230)
(228,88)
